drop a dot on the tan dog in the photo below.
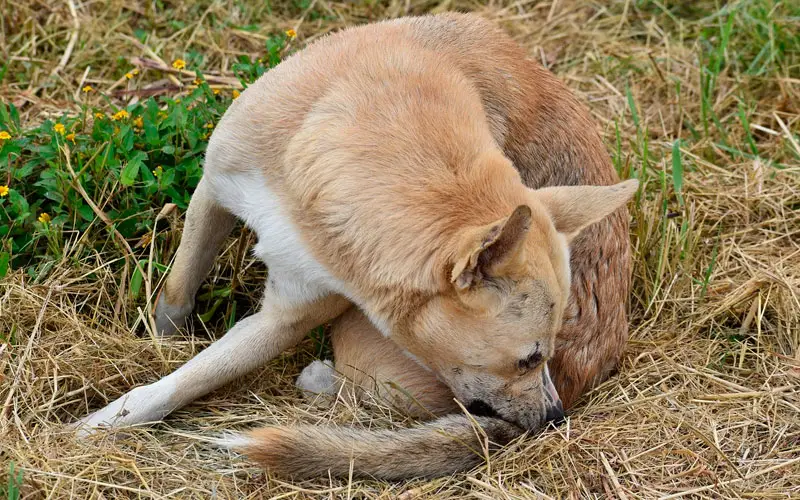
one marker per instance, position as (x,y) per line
(385,170)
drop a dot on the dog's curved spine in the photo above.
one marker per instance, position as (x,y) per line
(443,446)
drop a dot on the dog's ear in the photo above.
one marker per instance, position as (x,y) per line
(486,249)
(572,208)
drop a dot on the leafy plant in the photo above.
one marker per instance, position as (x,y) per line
(117,164)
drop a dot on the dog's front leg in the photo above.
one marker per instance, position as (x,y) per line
(249,344)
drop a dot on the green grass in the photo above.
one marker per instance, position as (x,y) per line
(11,489)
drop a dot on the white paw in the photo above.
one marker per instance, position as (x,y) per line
(319,377)
(169,318)
(142,404)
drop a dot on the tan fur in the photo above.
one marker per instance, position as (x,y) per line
(402,163)
(376,365)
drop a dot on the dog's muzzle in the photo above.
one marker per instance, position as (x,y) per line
(553,407)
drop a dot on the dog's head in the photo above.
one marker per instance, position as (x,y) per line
(489,334)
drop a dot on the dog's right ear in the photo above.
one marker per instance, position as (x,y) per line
(485,250)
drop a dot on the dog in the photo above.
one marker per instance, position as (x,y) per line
(448,204)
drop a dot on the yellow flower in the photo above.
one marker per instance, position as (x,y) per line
(59,127)
(128,75)
(71,137)
(178,64)
(4,136)
(87,89)
(208,125)
(44,218)
(216,91)
(292,34)
(119,115)
(3,191)
(138,122)
(197,81)
(99,116)
(235,93)
(158,171)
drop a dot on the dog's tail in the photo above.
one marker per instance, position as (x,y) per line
(444,446)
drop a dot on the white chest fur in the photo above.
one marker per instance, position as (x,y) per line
(296,274)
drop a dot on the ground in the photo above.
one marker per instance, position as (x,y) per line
(700,102)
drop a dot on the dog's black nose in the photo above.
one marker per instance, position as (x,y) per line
(481,409)
(555,414)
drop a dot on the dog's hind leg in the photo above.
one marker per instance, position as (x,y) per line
(375,365)
(207,226)
(281,323)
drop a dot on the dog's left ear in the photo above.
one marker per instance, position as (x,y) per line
(487,250)
(572,208)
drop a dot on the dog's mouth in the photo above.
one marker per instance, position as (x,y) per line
(480,408)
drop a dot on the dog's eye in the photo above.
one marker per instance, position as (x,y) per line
(531,362)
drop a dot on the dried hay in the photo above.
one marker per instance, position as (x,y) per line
(707,399)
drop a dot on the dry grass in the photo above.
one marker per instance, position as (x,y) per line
(707,399)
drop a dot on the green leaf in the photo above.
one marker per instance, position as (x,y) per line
(136,279)
(10,148)
(167,178)
(151,133)
(632,106)
(5,257)
(126,133)
(5,119)
(26,169)
(131,169)
(18,202)
(205,317)
(677,170)
(14,114)
(140,34)
(86,213)
(129,172)
(14,486)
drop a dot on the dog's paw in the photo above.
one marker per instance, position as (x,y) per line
(170,317)
(319,378)
(140,405)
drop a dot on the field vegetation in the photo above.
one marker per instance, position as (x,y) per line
(105,110)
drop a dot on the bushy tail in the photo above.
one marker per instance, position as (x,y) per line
(441,447)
